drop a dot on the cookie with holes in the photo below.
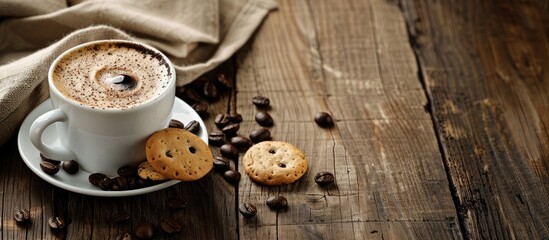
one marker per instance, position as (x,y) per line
(178,154)
(274,163)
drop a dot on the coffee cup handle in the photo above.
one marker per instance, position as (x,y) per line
(58,151)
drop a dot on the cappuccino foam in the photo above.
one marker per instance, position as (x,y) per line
(115,75)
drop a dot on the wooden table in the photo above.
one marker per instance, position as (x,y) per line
(442,130)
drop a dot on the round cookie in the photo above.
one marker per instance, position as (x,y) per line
(145,171)
(178,154)
(274,163)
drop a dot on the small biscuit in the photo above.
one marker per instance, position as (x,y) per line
(274,163)
(145,171)
(179,154)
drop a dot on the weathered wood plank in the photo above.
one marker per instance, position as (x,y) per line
(484,65)
(353,59)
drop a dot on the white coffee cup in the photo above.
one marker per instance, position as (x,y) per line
(102,140)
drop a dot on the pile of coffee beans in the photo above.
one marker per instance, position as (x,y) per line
(127,179)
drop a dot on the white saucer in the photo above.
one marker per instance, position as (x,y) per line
(79,182)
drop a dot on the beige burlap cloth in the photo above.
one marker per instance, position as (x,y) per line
(197,35)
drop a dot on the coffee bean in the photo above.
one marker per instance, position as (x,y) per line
(232,176)
(324,178)
(261,101)
(235,118)
(231,129)
(324,120)
(260,135)
(216,138)
(170,225)
(49,168)
(176,203)
(120,182)
(132,183)
(188,95)
(71,167)
(193,127)
(21,216)
(44,158)
(277,202)
(221,164)
(94,178)
(56,223)
(210,90)
(229,151)
(224,81)
(121,217)
(127,171)
(241,143)
(201,109)
(124,236)
(144,230)
(143,183)
(264,119)
(176,124)
(221,120)
(247,210)
(105,183)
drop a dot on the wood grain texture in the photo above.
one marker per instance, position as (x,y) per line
(353,59)
(484,65)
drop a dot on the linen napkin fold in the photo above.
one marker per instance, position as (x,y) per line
(197,35)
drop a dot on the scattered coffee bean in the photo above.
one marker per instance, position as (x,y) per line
(277,202)
(176,124)
(21,216)
(221,164)
(235,118)
(124,236)
(210,90)
(229,151)
(143,183)
(221,120)
(201,109)
(127,171)
(193,127)
(324,120)
(247,210)
(241,143)
(105,183)
(56,223)
(71,167)
(324,178)
(261,101)
(264,119)
(132,183)
(54,162)
(232,176)
(121,182)
(224,81)
(176,203)
(121,217)
(144,230)
(260,135)
(189,95)
(94,178)
(170,225)
(231,129)
(49,168)
(115,186)
(216,138)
